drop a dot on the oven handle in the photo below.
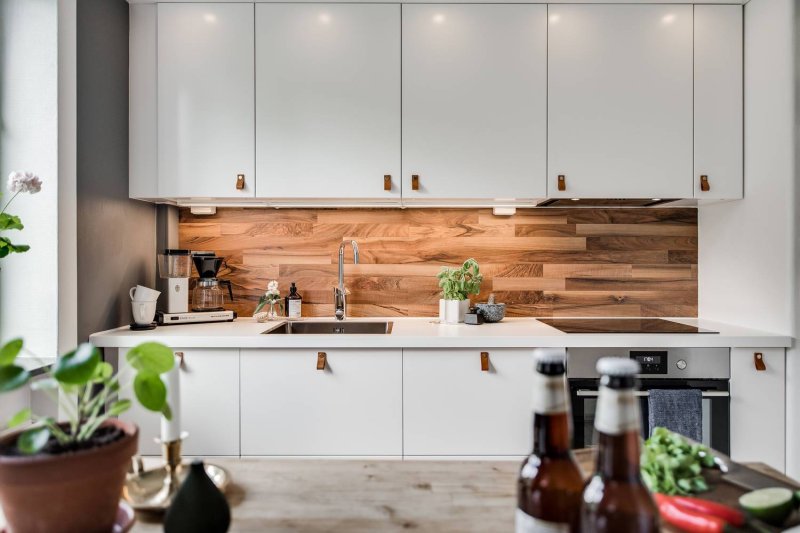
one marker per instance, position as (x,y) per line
(643,393)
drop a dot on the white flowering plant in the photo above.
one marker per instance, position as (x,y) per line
(272,296)
(18,182)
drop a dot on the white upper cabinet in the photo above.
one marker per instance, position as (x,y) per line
(718,102)
(206,110)
(474,101)
(620,101)
(328,101)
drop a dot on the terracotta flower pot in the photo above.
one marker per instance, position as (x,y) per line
(71,492)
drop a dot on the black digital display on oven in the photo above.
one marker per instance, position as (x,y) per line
(652,362)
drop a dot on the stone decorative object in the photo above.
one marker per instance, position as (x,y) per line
(491,311)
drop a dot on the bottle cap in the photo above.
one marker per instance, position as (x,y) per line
(550,361)
(617,366)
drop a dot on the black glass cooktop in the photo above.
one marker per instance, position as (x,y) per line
(620,325)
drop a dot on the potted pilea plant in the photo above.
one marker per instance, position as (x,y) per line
(457,284)
(68,475)
(272,298)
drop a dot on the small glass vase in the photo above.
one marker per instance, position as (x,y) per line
(272,314)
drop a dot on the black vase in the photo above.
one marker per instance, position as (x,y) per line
(199,506)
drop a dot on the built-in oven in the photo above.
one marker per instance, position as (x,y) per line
(705,369)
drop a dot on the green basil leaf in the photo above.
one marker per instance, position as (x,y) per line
(9,351)
(12,377)
(150,391)
(77,367)
(119,407)
(20,418)
(33,440)
(151,357)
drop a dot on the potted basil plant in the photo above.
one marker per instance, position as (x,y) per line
(457,284)
(68,475)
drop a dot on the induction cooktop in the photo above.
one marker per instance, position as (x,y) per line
(620,325)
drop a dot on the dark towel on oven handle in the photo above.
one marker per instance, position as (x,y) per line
(679,410)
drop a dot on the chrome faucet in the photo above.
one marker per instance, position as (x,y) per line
(340,291)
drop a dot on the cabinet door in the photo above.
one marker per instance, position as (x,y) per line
(206,110)
(620,101)
(474,101)
(758,407)
(718,101)
(328,101)
(351,407)
(209,405)
(453,407)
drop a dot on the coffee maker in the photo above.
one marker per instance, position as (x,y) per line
(207,297)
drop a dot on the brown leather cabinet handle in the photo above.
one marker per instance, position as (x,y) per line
(758,359)
(415,182)
(322,360)
(387,182)
(562,182)
(239,182)
(484,361)
(705,186)
(181,360)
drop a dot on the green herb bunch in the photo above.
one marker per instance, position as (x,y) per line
(86,389)
(459,283)
(671,465)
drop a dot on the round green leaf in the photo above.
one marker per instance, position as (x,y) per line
(33,440)
(12,377)
(151,357)
(103,371)
(10,351)
(166,411)
(78,366)
(150,391)
(119,407)
(20,418)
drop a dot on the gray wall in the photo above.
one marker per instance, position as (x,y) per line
(116,236)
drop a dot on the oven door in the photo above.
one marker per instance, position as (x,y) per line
(716,409)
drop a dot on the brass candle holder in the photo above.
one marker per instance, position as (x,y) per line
(153,490)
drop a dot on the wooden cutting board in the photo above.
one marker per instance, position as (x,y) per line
(721,491)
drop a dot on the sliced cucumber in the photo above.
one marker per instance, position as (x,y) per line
(773,505)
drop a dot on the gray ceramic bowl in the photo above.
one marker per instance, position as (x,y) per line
(492,312)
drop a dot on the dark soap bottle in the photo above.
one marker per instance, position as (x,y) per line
(294,303)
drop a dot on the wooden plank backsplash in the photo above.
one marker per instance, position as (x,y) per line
(541,262)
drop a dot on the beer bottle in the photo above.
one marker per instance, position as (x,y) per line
(615,497)
(550,481)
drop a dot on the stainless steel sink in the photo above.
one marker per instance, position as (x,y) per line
(346,327)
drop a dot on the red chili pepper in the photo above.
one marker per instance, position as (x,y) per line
(690,521)
(729,514)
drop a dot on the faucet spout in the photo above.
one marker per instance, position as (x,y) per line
(340,291)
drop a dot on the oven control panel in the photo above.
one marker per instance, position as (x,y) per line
(651,361)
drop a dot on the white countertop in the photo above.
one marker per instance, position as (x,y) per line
(428,333)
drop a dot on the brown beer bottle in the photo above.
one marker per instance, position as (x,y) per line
(615,498)
(550,481)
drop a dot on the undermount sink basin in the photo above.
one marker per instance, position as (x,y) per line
(332,328)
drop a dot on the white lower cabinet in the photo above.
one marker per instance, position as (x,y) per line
(343,402)
(452,406)
(209,405)
(758,406)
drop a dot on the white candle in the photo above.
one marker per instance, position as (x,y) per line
(171,429)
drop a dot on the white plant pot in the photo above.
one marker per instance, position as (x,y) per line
(442,310)
(455,311)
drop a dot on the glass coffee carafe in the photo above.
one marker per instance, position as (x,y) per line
(208,294)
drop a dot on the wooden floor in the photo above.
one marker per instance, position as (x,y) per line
(541,262)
